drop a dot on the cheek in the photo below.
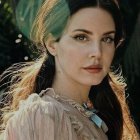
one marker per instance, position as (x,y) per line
(71,53)
(108,56)
(112,53)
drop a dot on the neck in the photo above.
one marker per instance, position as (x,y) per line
(71,90)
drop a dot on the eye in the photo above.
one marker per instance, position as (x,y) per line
(81,37)
(108,40)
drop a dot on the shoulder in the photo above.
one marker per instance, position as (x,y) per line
(1,136)
(35,105)
(35,117)
(43,104)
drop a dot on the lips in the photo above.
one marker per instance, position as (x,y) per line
(93,68)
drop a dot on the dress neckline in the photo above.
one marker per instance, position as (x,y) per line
(90,114)
(51,92)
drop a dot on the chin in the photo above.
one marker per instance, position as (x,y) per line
(93,83)
(96,82)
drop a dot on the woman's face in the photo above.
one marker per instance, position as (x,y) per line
(86,48)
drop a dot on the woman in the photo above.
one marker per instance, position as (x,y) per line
(70,93)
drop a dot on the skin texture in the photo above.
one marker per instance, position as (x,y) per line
(88,40)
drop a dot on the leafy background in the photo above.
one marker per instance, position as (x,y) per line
(15,47)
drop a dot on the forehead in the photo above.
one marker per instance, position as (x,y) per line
(91,19)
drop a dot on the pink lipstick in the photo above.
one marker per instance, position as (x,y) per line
(93,68)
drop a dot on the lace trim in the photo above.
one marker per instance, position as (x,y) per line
(91,114)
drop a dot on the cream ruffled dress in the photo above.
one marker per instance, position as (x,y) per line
(48,116)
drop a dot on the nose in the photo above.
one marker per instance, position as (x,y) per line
(95,50)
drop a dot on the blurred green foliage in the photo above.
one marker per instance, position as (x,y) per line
(13,45)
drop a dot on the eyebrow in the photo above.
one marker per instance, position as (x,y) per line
(89,32)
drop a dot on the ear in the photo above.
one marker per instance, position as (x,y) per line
(51,46)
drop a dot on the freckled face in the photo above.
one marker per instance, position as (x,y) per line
(86,48)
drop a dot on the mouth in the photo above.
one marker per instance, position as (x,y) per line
(93,69)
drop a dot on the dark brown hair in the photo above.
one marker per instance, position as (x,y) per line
(105,100)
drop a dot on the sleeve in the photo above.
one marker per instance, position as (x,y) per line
(33,121)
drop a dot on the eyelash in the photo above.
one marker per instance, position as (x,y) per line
(76,37)
(110,38)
